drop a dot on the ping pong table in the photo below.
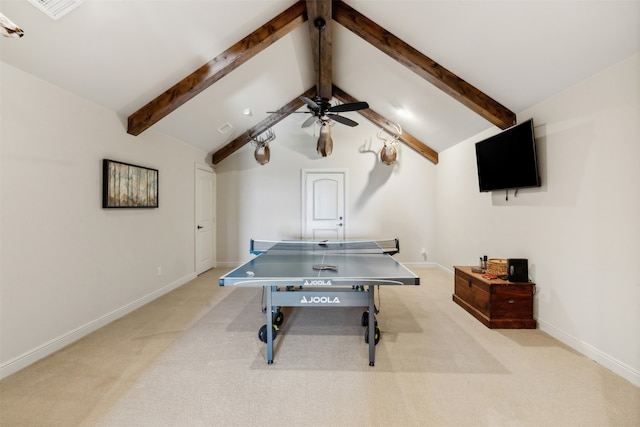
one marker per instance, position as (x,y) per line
(303,273)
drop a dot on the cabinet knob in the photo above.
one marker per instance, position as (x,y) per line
(511,301)
(469,282)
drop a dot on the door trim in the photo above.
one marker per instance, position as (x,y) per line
(303,198)
(205,168)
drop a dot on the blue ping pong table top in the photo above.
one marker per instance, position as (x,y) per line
(295,267)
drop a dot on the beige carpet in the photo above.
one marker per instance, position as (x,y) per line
(192,358)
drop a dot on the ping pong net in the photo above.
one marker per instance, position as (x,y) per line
(390,247)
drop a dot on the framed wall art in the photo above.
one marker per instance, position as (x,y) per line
(128,186)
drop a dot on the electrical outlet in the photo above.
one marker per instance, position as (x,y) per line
(159,271)
(423,251)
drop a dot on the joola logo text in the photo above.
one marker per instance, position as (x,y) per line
(317,283)
(320,300)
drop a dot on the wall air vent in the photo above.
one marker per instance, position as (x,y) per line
(55,9)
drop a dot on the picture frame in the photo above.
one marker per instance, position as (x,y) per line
(128,186)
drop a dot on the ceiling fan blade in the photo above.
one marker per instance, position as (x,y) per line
(310,103)
(309,121)
(343,120)
(289,112)
(351,106)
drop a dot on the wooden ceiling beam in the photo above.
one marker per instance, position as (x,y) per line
(387,125)
(321,44)
(270,121)
(422,65)
(217,68)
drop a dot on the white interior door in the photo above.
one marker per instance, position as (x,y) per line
(205,218)
(323,205)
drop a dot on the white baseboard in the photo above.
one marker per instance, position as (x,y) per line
(609,362)
(444,269)
(228,264)
(619,368)
(32,356)
(423,264)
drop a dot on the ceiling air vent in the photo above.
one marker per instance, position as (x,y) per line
(225,128)
(55,9)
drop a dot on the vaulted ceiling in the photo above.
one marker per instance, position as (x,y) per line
(456,67)
(320,14)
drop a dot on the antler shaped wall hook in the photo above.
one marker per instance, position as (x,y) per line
(262,153)
(389,153)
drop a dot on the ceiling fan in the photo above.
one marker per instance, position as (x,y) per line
(321,109)
(323,113)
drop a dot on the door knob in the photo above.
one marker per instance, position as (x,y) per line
(199,227)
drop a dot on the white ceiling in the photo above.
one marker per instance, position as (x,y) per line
(122,54)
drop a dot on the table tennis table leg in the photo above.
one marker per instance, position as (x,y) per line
(372,327)
(270,291)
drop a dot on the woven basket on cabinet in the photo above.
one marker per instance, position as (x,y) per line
(496,266)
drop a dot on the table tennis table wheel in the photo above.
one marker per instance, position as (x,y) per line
(278,319)
(365,318)
(376,335)
(262,333)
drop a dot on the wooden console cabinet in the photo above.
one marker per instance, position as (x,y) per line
(499,304)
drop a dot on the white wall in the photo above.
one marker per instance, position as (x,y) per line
(580,230)
(383,201)
(67,265)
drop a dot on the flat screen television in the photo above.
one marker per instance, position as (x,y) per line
(508,160)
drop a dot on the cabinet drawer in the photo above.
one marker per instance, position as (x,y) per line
(472,293)
(512,302)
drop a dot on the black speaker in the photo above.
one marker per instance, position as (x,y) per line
(518,269)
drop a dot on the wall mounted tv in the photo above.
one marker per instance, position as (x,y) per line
(508,160)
